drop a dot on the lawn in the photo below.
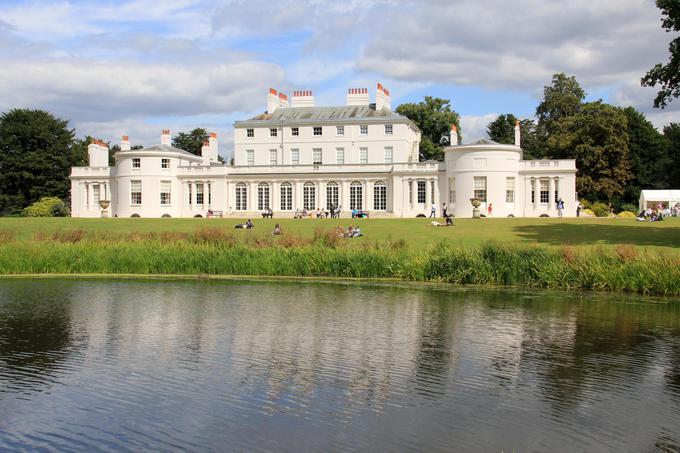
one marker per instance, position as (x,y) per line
(415,232)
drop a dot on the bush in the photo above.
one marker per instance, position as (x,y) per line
(46,207)
(600,209)
(587,213)
(626,215)
(629,207)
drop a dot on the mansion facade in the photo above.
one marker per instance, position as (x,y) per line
(298,156)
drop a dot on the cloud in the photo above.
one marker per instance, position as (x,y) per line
(474,126)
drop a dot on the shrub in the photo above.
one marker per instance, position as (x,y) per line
(46,207)
(600,209)
(626,215)
(629,207)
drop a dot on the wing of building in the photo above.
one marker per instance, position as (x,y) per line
(297,156)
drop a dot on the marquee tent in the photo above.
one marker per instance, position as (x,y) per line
(650,198)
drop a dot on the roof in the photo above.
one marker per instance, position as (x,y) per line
(483,141)
(163,149)
(660,195)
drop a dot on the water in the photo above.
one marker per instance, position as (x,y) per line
(260,366)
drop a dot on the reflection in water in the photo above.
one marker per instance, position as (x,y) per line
(289,366)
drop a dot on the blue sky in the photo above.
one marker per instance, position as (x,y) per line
(137,66)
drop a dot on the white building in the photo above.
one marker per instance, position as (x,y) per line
(299,156)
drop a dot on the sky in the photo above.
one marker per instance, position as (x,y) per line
(135,67)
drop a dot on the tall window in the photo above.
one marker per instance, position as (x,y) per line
(533,190)
(363,129)
(388,154)
(363,155)
(241,197)
(452,190)
(95,194)
(480,188)
(388,129)
(295,131)
(340,155)
(272,157)
(286,196)
(199,194)
(165,163)
(509,190)
(380,196)
(340,130)
(332,195)
(422,191)
(262,196)
(135,192)
(166,187)
(294,156)
(545,194)
(273,132)
(318,130)
(136,162)
(356,195)
(557,189)
(316,156)
(190,195)
(250,133)
(309,196)
(250,157)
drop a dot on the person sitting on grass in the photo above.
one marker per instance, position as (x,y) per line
(448,223)
(356,233)
(277,230)
(245,226)
(349,232)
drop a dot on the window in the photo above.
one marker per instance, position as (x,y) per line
(316,156)
(356,195)
(262,196)
(165,163)
(250,157)
(272,157)
(166,187)
(295,156)
(318,130)
(340,155)
(135,192)
(410,192)
(136,162)
(533,190)
(557,189)
(286,196)
(190,202)
(388,129)
(388,154)
(380,196)
(340,130)
(295,131)
(363,155)
(509,190)
(273,132)
(241,197)
(363,129)
(332,195)
(480,188)
(452,190)
(432,191)
(250,133)
(95,193)
(199,194)
(309,196)
(545,195)
(422,192)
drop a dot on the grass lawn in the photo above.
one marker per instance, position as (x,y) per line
(416,232)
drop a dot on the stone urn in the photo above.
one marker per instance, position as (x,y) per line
(104,204)
(475,208)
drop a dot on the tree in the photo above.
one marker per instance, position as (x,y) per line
(668,75)
(562,98)
(502,130)
(672,135)
(648,156)
(191,141)
(36,155)
(597,137)
(434,117)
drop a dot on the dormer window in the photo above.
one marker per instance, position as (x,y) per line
(136,162)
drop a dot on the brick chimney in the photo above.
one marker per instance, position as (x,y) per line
(358,96)
(125,143)
(382,98)
(165,137)
(303,98)
(209,150)
(98,153)
(283,100)
(272,101)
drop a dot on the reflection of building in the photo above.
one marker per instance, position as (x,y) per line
(299,156)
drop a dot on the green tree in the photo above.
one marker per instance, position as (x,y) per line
(562,98)
(668,75)
(36,155)
(434,117)
(672,135)
(648,156)
(191,141)
(502,130)
(597,137)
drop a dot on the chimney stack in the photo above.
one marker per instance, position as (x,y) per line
(272,101)
(302,99)
(382,98)
(165,137)
(518,142)
(454,135)
(209,150)
(98,153)
(283,100)
(125,143)
(358,96)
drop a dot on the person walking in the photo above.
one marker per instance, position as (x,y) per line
(578,208)
(560,208)
(444,213)
(433,210)
(489,209)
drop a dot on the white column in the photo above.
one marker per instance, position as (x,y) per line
(534,189)
(87,195)
(550,194)
(427,196)
(414,194)
(437,198)
(252,196)
(273,193)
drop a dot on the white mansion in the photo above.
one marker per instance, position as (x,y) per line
(298,156)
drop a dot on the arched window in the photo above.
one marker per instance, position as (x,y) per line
(380,196)
(309,196)
(286,196)
(262,196)
(241,197)
(332,195)
(356,195)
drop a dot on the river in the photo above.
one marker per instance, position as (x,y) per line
(166,365)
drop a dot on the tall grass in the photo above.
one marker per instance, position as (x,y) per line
(215,251)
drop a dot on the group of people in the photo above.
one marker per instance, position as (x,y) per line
(658,213)
(333,212)
(351,232)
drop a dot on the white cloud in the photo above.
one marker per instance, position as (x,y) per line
(474,126)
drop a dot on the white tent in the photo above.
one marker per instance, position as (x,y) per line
(650,198)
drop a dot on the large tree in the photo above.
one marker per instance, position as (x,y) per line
(502,130)
(191,141)
(597,137)
(668,75)
(672,136)
(562,98)
(36,155)
(434,117)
